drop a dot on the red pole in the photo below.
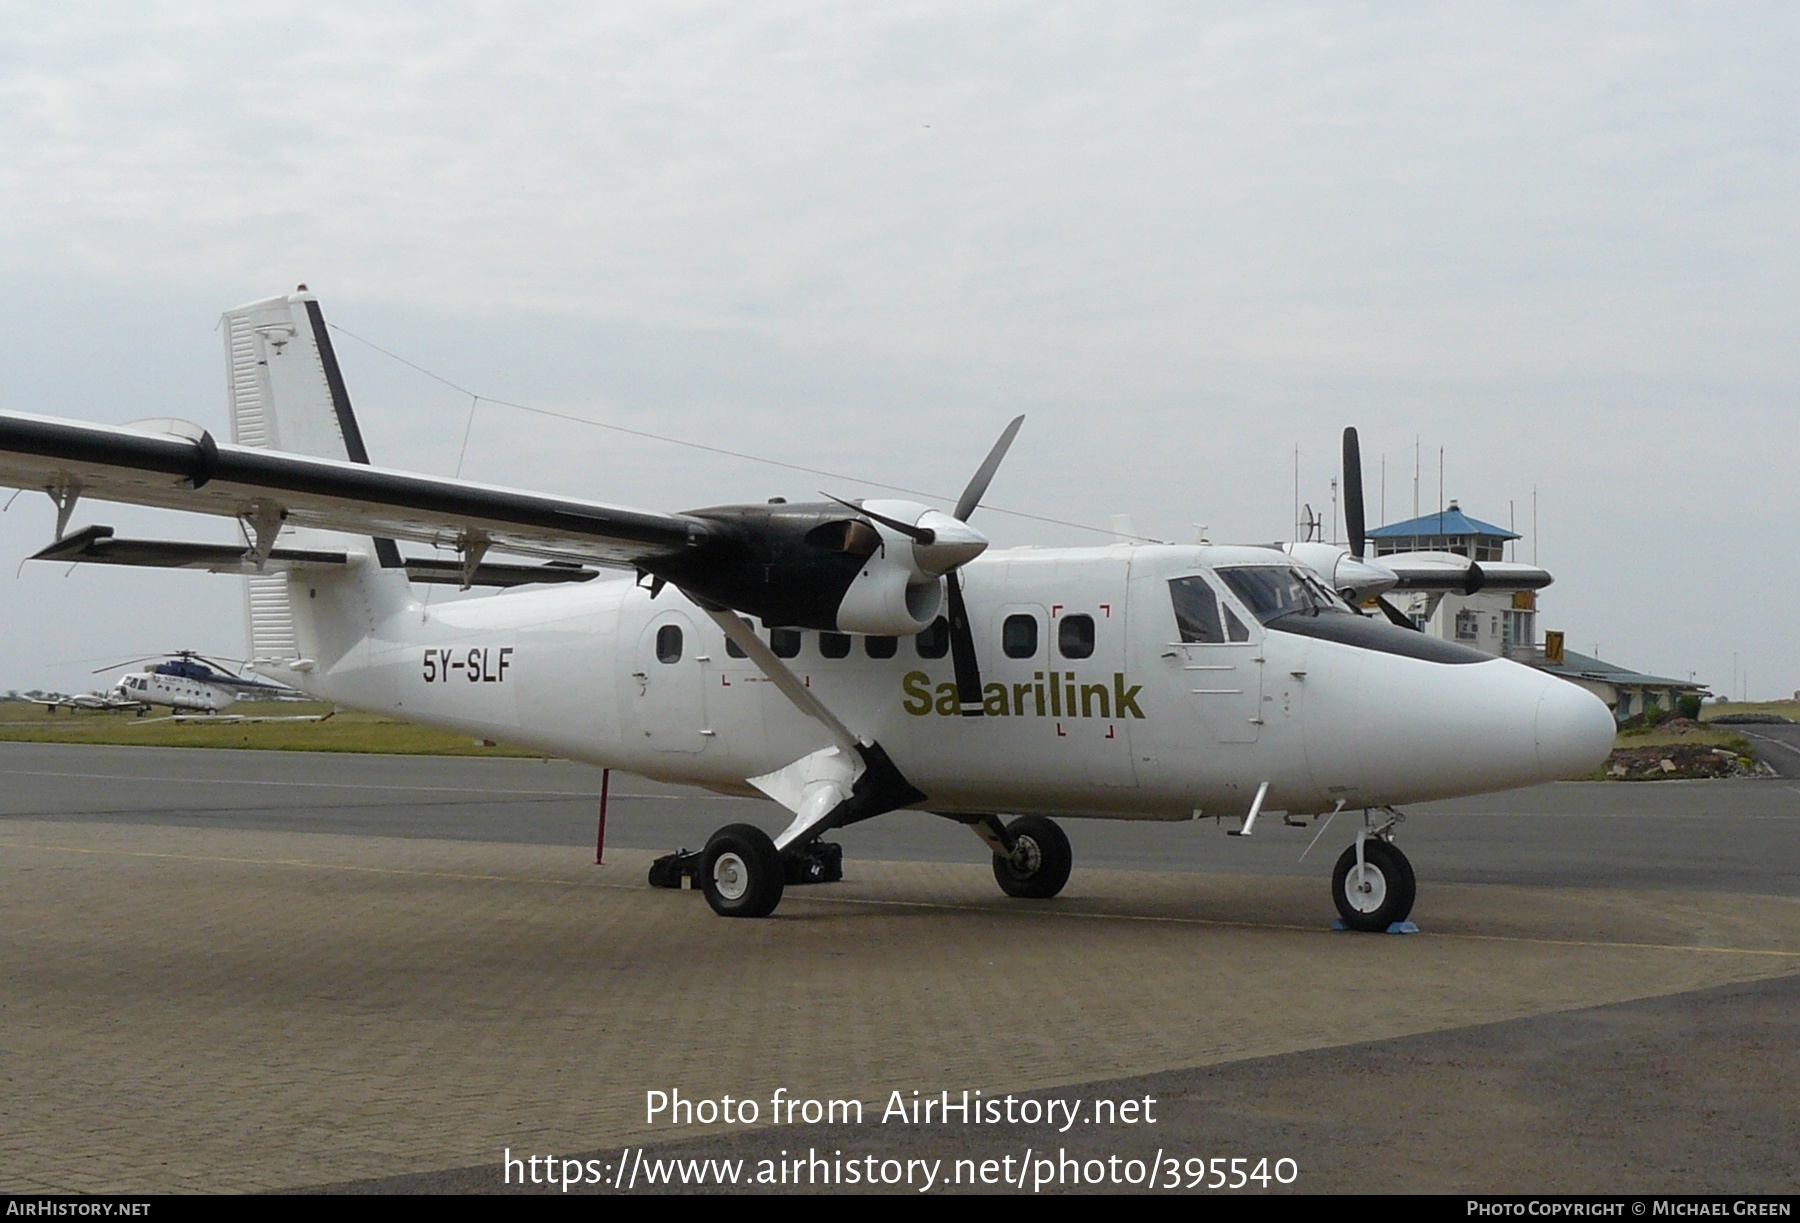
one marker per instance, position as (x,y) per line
(600,836)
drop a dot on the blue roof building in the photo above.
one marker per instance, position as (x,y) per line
(1447,530)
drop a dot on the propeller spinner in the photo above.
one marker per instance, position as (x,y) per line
(942,544)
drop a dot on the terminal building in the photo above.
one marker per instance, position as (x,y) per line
(1504,622)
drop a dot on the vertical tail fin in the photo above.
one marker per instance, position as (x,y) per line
(286,393)
(285,389)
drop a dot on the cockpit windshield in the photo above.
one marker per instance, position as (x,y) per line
(1273,591)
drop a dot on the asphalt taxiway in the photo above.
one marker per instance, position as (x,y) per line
(1776,744)
(233,970)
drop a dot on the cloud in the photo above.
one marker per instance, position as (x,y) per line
(1558,240)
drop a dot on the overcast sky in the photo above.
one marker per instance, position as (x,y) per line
(1558,241)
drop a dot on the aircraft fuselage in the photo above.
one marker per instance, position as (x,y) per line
(1096,701)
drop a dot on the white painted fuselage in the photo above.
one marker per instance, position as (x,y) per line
(1142,725)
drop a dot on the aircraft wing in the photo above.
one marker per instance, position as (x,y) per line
(266,488)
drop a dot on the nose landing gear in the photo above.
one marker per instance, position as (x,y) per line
(1373,884)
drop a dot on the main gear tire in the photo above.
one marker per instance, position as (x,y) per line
(1040,862)
(741,872)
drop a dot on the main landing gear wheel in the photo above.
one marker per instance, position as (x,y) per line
(741,872)
(1039,864)
(1381,894)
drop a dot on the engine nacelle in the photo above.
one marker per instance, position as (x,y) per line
(1355,579)
(832,567)
(889,600)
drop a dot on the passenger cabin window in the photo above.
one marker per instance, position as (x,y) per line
(934,642)
(834,645)
(668,643)
(785,642)
(733,649)
(880,647)
(1018,636)
(1075,637)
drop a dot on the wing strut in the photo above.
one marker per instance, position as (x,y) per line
(851,780)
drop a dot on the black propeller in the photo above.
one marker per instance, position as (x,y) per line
(984,475)
(1353,493)
(918,534)
(1394,614)
(962,636)
(1357,523)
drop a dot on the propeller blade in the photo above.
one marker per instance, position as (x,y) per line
(1395,615)
(918,534)
(978,486)
(962,652)
(1353,493)
(1477,579)
(962,637)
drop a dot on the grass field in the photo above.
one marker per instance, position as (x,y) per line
(341,732)
(1786,709)
(1669,734)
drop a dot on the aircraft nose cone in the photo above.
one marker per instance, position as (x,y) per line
(1575,730)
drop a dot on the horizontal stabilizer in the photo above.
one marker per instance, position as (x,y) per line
(95,545)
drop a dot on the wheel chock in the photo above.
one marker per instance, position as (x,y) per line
(675,870)
(1399,927)
(819,862)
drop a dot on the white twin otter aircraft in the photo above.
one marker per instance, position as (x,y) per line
(899,663)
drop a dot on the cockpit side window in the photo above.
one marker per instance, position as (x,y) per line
(1197,611)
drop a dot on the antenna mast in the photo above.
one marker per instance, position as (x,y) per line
(1534,559)
(1297,490)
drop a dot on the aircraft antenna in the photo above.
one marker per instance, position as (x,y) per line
(702,446)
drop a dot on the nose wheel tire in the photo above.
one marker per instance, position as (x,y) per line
(741,872)
(1040,862)
(1378,895)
